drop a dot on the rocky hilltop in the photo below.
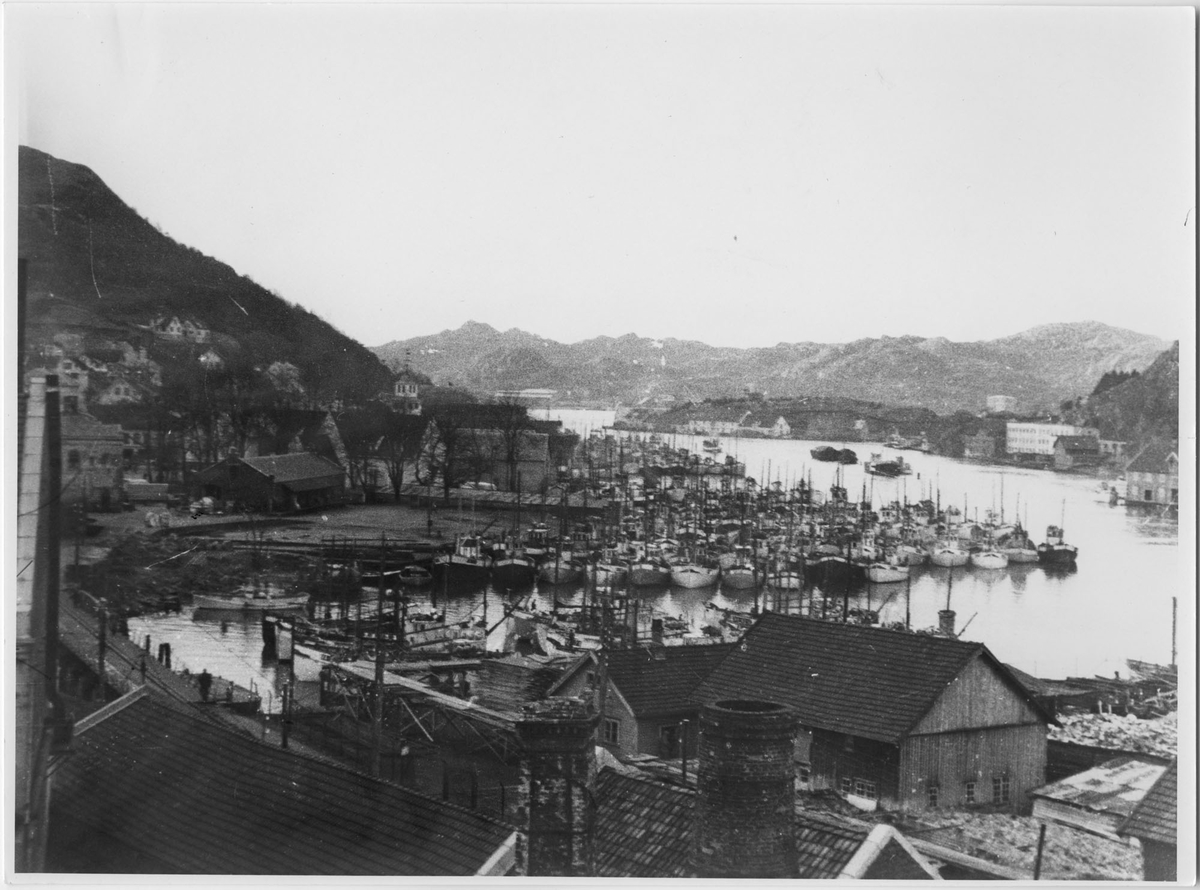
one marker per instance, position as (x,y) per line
(93,263)
(1039,367)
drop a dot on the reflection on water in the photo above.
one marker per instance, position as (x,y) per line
(1115,605)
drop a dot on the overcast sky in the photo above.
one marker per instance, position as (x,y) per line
(737,175)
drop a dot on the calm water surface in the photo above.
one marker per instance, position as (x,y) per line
(1116,605)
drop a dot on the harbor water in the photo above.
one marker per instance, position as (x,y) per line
(1116,605)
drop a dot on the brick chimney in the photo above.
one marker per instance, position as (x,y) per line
(554,797)
(746,793)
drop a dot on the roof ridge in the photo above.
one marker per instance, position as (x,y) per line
(113,707)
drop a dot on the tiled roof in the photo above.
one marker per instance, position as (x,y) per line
(825,843)
(1151,459)
(644,830)
(848,678)
(294,467)
(643,827)
(661,679)
(1156,818)
(171,788)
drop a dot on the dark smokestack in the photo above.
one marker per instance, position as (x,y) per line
(745,779)
(946,622)
(554,798)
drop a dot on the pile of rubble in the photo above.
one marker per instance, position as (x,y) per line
(1129,733)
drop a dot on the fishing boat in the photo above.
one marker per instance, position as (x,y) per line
(415,576)
(712,446)
(251,601)
(948,554)
(887,571)
(1054,551)
(880,466)
(989,558)
(466,564)
(740,574)
(649,571)
(829,454)
(513,568)
(693,574)
(560,567)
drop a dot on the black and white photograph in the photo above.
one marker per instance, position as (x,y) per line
(600,440)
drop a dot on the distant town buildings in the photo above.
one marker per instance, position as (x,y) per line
(1001,404)
(980,446)
(1077,452)
(530,398)
(1024,438)
(93,461)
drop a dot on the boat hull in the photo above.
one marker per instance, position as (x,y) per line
(949,559)
(739,578)
(643,575)
(694,576)
(249,604)
(989,560)
(1057,555)
(513,573)
(886,574)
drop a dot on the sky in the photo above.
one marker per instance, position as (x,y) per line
(740,175)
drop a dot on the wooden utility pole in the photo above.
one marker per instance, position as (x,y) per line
(377,705)
(102,619)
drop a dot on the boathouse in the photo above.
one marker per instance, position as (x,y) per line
(649,695)
(890,719)
(153,788)
(1152,477)
(276,482)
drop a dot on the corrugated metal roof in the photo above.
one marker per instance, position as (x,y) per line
(178,789)
(848,678)
(1156,817)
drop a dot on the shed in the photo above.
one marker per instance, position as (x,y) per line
(890,718)
(1077,452)
(1100,799)
(151,789)
(1155,823)
(280,482)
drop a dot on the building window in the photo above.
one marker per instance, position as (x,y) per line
(931,795)
(612,731)
(668,741)
(73,460)
(865,789)
(969,793)
(804,773)
(847,785)
(1000,789)
(1149,494)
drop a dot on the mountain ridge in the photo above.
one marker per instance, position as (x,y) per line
(1039,367)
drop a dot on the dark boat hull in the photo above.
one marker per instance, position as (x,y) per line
(1060,555)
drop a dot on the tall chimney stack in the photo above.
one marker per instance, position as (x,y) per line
(554,798)
(746,792)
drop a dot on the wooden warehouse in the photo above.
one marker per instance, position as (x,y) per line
(277,482)
(891,719)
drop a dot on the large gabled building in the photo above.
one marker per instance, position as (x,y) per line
(276,482)
(1152,477)
(892,719)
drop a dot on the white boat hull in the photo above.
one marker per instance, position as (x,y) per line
(886,574)
(694,576)
(949,558)
(989,559)
(249,603)
(739,578)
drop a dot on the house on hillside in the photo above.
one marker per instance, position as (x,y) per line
(405,396)
(893,719)
(1077,453)
(770,424)
(715,421)
(1152,477)
(277,482)
(251,808)
(649,695)
(173,327)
